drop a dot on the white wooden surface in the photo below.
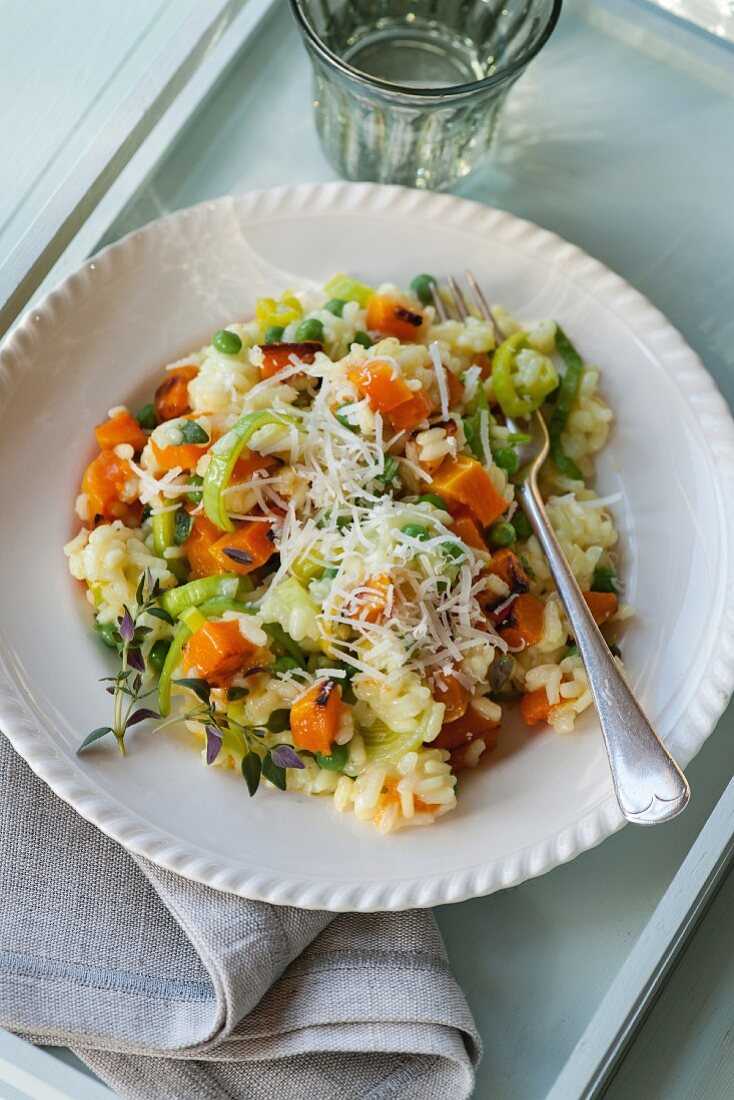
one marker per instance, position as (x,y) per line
(64,68)
(685,1050)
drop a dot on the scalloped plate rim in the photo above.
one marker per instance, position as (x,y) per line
(603,818)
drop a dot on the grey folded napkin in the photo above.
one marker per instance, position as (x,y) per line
(168,989)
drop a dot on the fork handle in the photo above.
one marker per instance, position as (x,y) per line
(649,785)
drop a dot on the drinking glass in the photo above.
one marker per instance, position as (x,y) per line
(409,92)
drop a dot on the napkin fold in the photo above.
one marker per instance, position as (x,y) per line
(171,989)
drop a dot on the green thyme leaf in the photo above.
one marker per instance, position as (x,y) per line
(199,687)
(95,735)
(273,772)
(160,613)
(236,693)
(251,768)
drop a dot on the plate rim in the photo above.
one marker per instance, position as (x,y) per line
(648,324)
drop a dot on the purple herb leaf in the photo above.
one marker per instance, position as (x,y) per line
(135,660)
(127,627)
(141,714)
(213,743)
(240,556)
(286,757)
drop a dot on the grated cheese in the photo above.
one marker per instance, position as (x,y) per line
(440,372)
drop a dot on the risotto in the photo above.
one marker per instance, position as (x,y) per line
(307,549)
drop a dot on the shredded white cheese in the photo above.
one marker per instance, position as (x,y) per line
(440,372)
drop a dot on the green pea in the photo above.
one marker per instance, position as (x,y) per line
(573,651)
(336,761)
(431,498)
(147,418)
(453,551)
(422,287)
(196,481)
(310,329)
(363,339)
(273,335)
(227,342)
(158,654)
(335,306)
(279,721)
(107,632)
(416,531)
(521,523)
(500,534)
(604,579)
(285,664)
(330,573)
(507,460)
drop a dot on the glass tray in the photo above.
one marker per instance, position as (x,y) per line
(616,138)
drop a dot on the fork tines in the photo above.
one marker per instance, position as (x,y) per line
(451,301)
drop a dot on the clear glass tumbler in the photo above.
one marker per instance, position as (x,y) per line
(409,91)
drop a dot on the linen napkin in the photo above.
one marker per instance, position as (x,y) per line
(169,989)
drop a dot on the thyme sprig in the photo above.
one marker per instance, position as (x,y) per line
(126,686)
(259,760)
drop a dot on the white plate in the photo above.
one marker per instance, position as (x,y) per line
(102,338)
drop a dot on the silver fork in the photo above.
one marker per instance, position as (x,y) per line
(649,785)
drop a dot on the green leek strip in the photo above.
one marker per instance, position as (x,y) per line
(383,744)
(164,526)
(512,401)
(284,640)
(212,608)
(164,530)
(191,619)
(349,290)
(503,384)
(224,455)
(473,423)
(567,391)
(180,638)
(196,592)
